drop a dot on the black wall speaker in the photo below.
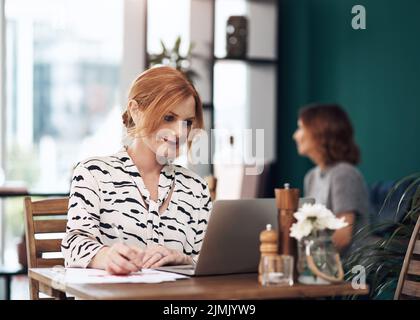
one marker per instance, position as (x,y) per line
(237,36)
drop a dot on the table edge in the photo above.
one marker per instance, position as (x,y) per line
(77,291)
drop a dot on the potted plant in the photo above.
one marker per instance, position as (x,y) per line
(173,57)
(382,257)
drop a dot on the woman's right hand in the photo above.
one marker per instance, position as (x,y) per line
(118,259)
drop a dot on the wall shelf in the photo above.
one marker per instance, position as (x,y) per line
(262,61)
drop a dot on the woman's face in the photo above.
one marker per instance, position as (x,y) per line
(304,141)
(172,134)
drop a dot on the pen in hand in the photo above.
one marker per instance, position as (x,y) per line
(121,238)
(117,231)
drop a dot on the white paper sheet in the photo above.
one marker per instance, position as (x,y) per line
(76,275)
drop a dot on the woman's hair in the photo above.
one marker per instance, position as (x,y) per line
(157,90)
(332,131)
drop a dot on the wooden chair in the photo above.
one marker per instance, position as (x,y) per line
(409,282)
(212,183)
(260,185)
(45,226)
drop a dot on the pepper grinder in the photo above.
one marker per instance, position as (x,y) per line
(268,246)
(287,202)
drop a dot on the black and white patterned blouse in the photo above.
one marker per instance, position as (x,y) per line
(105,191)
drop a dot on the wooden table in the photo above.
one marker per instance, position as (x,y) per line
(238,286)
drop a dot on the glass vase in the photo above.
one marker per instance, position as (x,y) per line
(318,260)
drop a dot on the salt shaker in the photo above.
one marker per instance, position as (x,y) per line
(268,246)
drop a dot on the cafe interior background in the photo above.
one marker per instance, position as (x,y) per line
(66,67)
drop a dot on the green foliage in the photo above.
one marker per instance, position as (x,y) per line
(172,57)
(22,167)
(14,217)
(22,164)
(383,258)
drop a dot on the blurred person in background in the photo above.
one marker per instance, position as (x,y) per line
(325,135)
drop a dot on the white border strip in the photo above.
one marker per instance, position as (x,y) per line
(2,115)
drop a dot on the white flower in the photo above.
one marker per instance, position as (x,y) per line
(317,211)
(314,218)
(301,229)
(336,223)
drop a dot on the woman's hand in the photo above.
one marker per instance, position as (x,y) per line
(342,237)
(157,256)
(118,259)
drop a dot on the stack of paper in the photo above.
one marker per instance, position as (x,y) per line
(76,275)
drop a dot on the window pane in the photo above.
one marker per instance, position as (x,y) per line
(62,79)
(63,62)
(166,20)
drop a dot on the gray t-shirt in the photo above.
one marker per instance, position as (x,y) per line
(341,188)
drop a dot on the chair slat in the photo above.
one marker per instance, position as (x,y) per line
(47,245)
(50,226)
(411,266)
(417,247)
(414,268)
(48,263)
(35,211)
(50,207)
(411,288)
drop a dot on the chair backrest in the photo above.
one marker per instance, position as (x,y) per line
(409,282)
(212,183)
(45,226)
(258,185)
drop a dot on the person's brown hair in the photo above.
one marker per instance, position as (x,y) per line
(330,127)
(157,90)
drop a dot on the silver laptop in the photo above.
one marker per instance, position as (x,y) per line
(231,243)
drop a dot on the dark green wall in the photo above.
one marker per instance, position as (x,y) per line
(374,74)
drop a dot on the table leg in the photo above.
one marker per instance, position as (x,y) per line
(8,287)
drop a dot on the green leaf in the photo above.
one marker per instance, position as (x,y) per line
(164,50)
(190,48)
(177,45)
(395,188)
(407,190)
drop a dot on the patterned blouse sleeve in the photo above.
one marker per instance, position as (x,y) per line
(202,222)
(83,239)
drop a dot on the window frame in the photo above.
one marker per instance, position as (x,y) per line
(2,116)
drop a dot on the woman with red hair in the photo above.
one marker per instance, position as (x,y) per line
(325,135)
(136,209)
